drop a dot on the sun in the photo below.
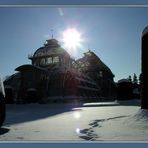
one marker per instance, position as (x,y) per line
(72,38)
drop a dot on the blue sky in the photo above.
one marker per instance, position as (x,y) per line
(113,33)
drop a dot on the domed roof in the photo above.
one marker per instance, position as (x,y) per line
(124,81)
(51,47)
(145,31)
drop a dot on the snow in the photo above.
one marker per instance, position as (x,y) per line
(101,104)
(105,121)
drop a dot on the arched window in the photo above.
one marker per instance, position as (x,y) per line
(55,59)
(42,62)
(49,60)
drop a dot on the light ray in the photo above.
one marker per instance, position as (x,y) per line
(72,40)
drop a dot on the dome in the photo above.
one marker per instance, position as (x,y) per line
(124,81)
(51,47)
(145,31)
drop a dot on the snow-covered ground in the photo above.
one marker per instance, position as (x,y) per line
(123,121)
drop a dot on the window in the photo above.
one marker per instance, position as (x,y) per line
(87,63)
(42,62)
(101,74)
(49,60)
(55,59)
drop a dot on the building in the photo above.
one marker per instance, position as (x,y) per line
(91,65)
(53,76)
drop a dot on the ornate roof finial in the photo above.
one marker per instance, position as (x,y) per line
(88,48)
(52,33)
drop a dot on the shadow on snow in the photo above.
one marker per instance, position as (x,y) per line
(17,113)
(3,131)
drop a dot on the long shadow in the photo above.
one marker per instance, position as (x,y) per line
(130,102)
(4,130)
(17,113)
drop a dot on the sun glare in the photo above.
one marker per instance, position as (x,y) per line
(72,38)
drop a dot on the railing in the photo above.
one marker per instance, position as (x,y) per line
(30,56)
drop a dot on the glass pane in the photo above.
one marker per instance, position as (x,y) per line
(42,62)
(49,60)
(55,59)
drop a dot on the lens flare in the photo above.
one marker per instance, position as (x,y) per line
(72,40)
(76,115)
(77,130)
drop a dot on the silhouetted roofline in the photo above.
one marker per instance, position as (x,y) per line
(29,66)
(102,64)
(145,31)
(49,49)
(123,80)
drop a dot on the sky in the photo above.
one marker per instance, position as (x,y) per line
(113,33)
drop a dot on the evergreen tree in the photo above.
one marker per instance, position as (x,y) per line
(135,80)
(140,78)
(130,78)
